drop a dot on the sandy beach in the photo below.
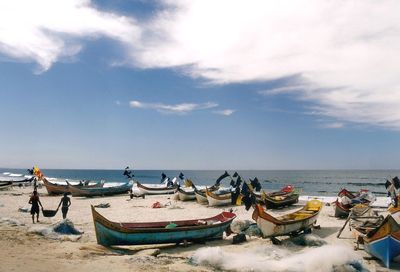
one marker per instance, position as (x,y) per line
(34,247)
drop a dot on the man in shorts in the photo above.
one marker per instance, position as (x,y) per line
(35,201)
(66,202)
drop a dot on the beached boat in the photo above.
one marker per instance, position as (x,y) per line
(215,199)
(157,189)
(57,189)
(186,194)
(347,200)
(288,224)
(201,196)
(381,241)
(110,233)
(16,179)
(101,191)
(280,199)
(285,197)
(5,185)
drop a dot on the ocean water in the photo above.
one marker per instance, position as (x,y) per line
(310,182)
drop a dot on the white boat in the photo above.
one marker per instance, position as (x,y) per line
(158,189)
(288,224)
(186,193)
(218,199)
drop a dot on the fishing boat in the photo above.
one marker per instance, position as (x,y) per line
(201,196)
(110,233)
(16,179)
(57,189)
(381,241)
(5,185)
(347,200)
(101,191)
(288,224)
(186,193)
(280,199)
(167,187)
(215,199)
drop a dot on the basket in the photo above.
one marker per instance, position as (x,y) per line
(49,213)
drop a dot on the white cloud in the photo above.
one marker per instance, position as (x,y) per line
(344,53)
(44,31)
(333,125)
(347,52)
(226,112)
(182,108)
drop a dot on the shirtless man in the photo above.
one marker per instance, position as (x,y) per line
(35,201)
(66,202)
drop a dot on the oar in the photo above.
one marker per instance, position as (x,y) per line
(345,223)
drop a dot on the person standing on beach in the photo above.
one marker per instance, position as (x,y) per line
(66,202)
(35,201)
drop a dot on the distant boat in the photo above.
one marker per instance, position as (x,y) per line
(287,224)
(57,189)
(382,240)
(101,191)
(156,189)
(110,233)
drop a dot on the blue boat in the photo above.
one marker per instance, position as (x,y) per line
(110,233)
(383,241)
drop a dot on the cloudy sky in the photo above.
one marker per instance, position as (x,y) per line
(201,84)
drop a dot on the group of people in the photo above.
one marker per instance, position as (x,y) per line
(65,203)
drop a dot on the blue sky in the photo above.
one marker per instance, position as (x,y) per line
(178,85)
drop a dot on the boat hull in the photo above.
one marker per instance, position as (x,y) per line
(383,241)
(218,200)
(58,189)
(201,197)
(287,200)
(384,249)
(101,191)
(186,195)
(287,224)
(6,185)
(110,233)
(340,210)
(153,189)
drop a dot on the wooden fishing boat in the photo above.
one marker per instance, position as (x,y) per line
(215,199)
(186,194)
(201,196)
(342,209)
(57,189)
(17,179)
(6,185)
(280,200)
(288,224)
(395,210)
(156,189)
(110,233)
(101,191)
(381,241)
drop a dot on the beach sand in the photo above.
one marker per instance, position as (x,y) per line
(29,247)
